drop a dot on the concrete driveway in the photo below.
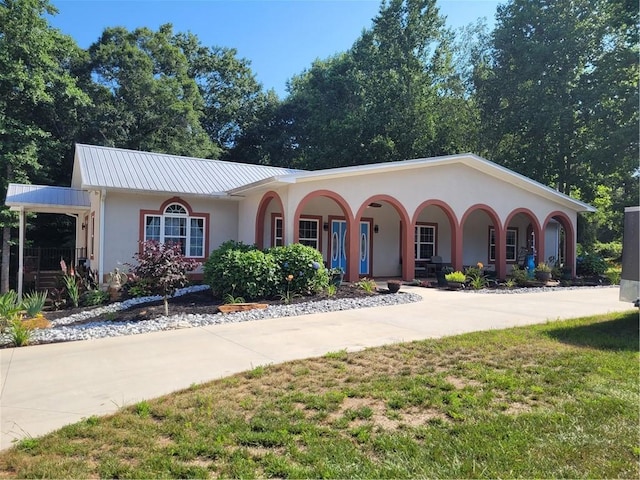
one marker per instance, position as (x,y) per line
(45,387)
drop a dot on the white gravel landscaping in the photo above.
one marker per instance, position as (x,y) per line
(67,329)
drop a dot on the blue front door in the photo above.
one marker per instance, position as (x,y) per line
(338,242)
(365,253)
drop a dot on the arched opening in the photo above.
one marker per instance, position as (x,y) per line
(322,220)
(380,240)
(560,242)
(482,240)
(523,236)
(270,221)
(435,234)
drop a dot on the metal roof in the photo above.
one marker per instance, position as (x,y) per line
(46,197)
(116,168)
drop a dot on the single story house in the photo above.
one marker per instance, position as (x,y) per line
(378,220)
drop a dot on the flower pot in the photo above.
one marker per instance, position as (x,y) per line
(455,285)
(336,279)
(393,287)
(543,276)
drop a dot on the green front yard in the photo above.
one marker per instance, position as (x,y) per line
(554,400)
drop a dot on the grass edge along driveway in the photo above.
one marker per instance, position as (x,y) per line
(554,400)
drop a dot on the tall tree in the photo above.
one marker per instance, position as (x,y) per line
(394,95)
(144,95)
(559,94)
(38,96)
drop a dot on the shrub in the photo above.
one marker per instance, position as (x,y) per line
(611,250)
(476,276)
(238,269)
(19,333)
(9,309)
(248,273)
(165,266)
(305,264)
(91,298)
(519,276)
(367,284)
(457,276)
(590,264)
(137,287)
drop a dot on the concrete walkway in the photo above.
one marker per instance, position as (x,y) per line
(47,386)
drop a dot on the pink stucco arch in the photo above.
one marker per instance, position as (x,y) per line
(456,234)
(570,237)
(407,245)
(537,229)
(260,216)
(501,262)
(346,211)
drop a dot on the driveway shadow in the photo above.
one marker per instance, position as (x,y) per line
(620,334)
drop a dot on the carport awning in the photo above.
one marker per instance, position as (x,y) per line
(46,199)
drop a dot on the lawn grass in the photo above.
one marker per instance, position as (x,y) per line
(559,400)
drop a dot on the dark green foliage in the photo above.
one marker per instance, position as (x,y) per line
(250,274)
(137,287)
(92,298)
(243,270)
(590,264)
(306,266)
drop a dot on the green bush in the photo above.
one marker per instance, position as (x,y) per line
(611,250)
(591,264)
(242,270)
(519,276)
(305,264)
(91,298)
(247,273)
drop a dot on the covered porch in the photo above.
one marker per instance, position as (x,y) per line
(25,199)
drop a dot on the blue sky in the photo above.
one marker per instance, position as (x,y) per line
(281,38)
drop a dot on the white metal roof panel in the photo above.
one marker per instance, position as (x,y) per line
(105,167)
(45,195)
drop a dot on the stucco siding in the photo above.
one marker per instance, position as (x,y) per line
(123,228)
(460,186)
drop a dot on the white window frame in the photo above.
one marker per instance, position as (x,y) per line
(278,224)
(418,243)
(511,242)
(309,241)
(193,246)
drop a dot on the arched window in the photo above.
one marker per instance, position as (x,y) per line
(175,225)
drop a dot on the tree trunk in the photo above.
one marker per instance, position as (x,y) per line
(166,306)
(6,258)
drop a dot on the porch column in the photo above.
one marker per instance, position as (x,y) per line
(20,252)
(456,247)
(501,251)
(353,249)
(408,257)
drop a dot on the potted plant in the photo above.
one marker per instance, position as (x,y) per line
(336,275)
(543,272)
(455,280)
(393,285)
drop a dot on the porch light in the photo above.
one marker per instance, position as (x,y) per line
(376,228)
(325,226)
(84,225)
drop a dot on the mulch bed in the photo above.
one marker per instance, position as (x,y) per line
(201,303)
